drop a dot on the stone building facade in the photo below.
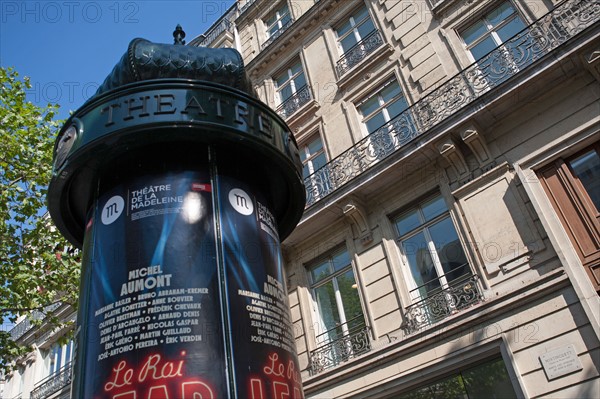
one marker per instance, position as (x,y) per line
(450,245)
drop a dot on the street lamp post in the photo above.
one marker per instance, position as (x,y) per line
(179,184)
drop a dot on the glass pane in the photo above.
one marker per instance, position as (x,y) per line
(369,106)
(449,388)
(325,296)
(449,250)
(375,122)
(296,68)
(344,28)
(281,79)
(407,222)
(474,32)
(305,171)
(341,260)
(484,47)
(348,42)
(489,380)
(315,146)
(319,161)
(360,14)
(510,29)
(285,92)
(300,81)
(434,207)
(500,14)
(285,19)
(587,169)
(390,91)
(421,266)
(397,107)
(365,29)
(350,300)
(320,271)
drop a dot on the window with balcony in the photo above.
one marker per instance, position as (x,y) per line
(439,277)
(573,186)
(385,119)
(341,331)
(276,23)
(313,158)
(58,360)
(357,38)
(497,29)
(291,88)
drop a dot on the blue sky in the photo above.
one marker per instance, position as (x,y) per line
(67,48)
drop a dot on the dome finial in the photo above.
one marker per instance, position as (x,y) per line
(178,35)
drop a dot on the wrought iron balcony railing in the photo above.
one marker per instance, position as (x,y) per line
(53,383)
(294,102)
(340,344)
(440,303)
(537,40)
(358,52)
(28,323)
(276,34)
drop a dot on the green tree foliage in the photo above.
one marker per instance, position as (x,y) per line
(36,267)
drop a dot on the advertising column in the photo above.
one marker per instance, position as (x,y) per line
(153,319)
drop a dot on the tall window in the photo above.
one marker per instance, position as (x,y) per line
(493,30)
(278,21)
(354,29)
(573,185)
(335,292)
(313,159)
(292,90)
(59,356)
(431,247)
(357,37)
(383,118)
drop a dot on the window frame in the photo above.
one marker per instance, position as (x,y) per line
(332,276)
(353,28)
(383,106)
(414,293)
(289,81)
(278,18)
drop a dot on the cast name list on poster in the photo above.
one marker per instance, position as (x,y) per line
(149,319)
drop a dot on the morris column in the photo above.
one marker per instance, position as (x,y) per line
(179,184)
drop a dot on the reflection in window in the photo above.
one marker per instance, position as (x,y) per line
(385,119)
(431,247)
(586,168)
(494,29)
(489,380)
(336,295)
(357,27)
(278,20)
(313,159)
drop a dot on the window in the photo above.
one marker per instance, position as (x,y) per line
(431,247)
(486,380)
(277,23)
(313,158)
(357,37)
(493,30)
(292,90)
(573,186)
(336,295)
(59,356)
(341,332)
(385,120)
